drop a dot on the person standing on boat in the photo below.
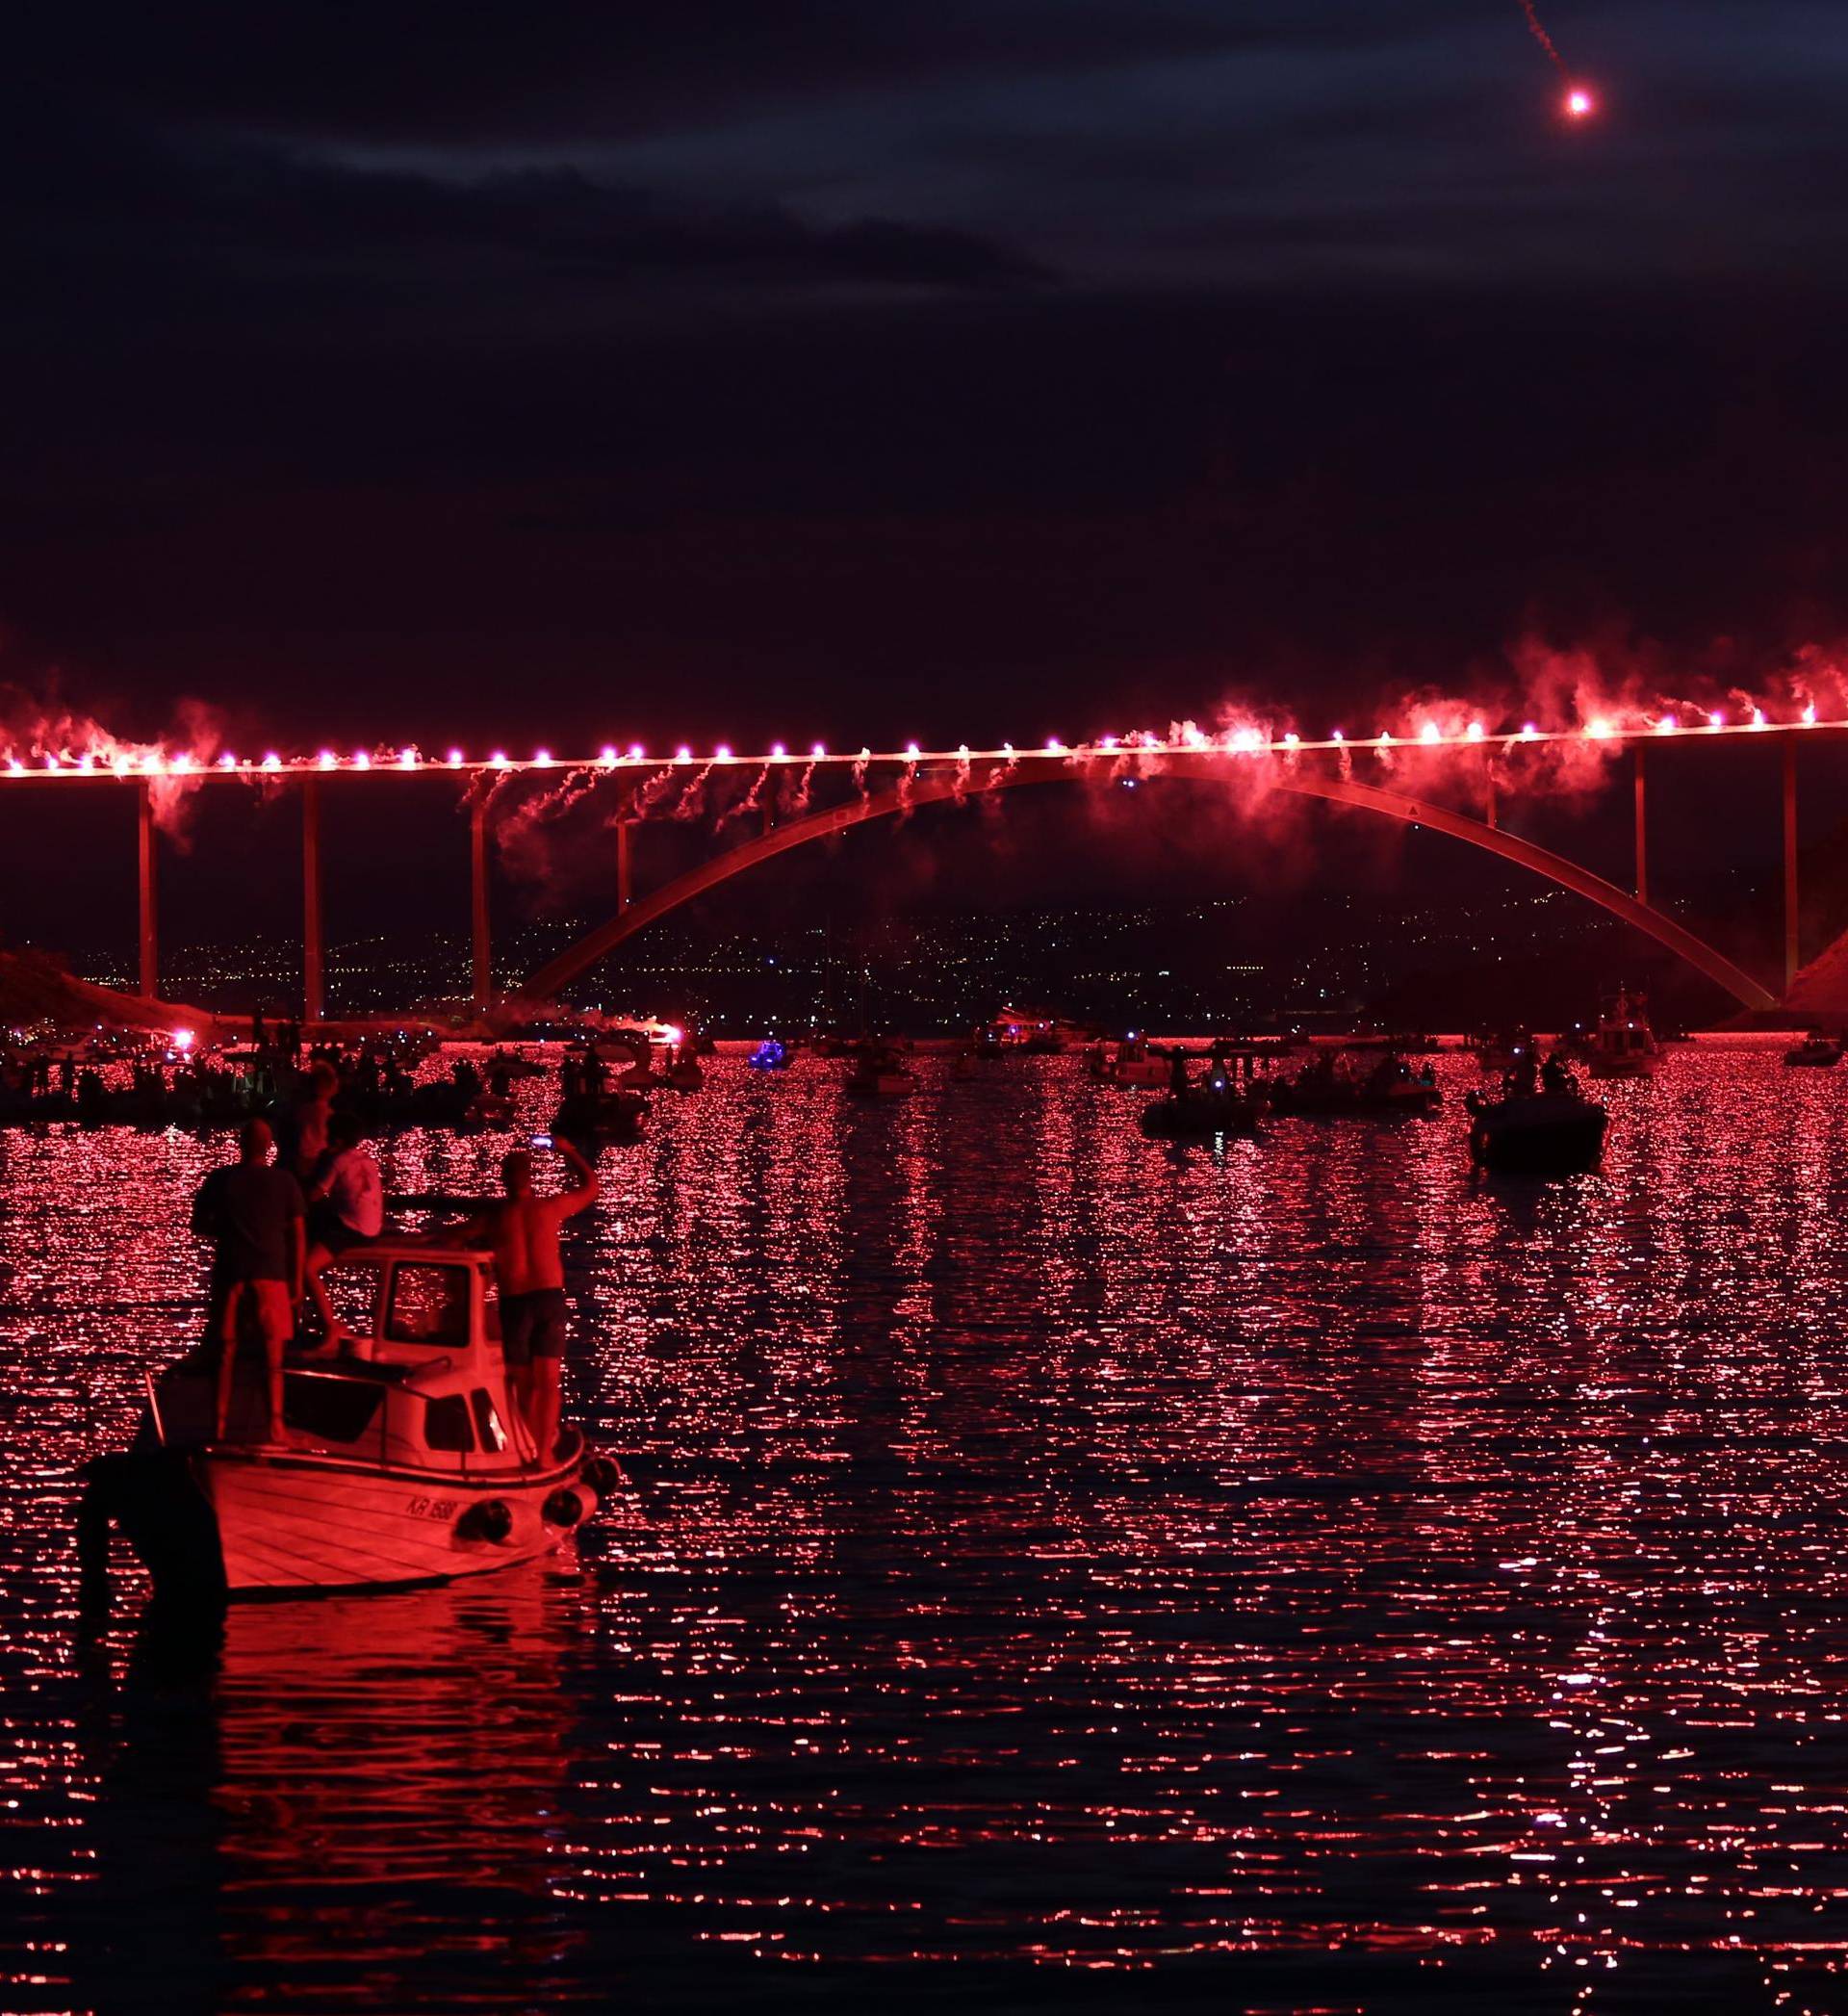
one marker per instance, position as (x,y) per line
(304,1140)
(254,1216)
(1177,1087)
(345,1208)
(522,1232)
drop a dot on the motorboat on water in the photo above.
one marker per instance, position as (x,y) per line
(1621,1043)
(683,1072)
(769,1055)
(618,1116)
(511,1064)
(1505,1051)
(879,1073)
(1816,1051)
(1323,1090)
(1551,1129)
(1130,1062)
(1200,1113)
(1034,1032)
(403,1458)
(490,1109)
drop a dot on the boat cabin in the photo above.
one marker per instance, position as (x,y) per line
(412,1379)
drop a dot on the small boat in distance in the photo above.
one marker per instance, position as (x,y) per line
(769,1055)
(404,1459)
(1503,1050)
(1130,1062)
(1034,1032)
(1324,1090)
(879,1073)
(1816,1051)
(1200,1113)
(617,1117)
(1622,1044)
(684,1072)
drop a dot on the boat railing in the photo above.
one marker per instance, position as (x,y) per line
(154,1405)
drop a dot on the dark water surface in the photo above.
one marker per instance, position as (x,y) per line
(1312,1572)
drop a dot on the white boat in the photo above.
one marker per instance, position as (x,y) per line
(1034,1032)
(1623,1045)
(403,1460)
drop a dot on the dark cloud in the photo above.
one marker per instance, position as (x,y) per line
(389,70)
(904,363)
(224,232)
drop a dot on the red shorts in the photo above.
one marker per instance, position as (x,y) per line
(270,1308)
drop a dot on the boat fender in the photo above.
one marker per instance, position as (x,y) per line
(490,1520)
(602,1475)
(563,1508)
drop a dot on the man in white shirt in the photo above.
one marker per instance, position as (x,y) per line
(346,1207)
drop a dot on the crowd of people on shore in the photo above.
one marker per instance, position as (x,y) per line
(197,1089)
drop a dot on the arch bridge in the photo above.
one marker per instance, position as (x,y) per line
(1300,774)
(1462,775)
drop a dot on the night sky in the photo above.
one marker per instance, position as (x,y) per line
(948,369)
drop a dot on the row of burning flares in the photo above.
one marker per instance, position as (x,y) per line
(110,757)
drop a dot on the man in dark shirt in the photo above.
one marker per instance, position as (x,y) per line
(254,1216)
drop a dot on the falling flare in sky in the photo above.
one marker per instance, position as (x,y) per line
(1579,104)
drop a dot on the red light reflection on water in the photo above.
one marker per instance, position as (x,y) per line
(1050,1550)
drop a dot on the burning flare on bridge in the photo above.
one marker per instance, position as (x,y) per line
(1557,699)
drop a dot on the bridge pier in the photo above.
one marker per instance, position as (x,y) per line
(1642,830)
(1792,929)
(625,888)
(150,867)
(478,900)
(314,1005)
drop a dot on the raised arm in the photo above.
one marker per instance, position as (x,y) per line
(583,1192)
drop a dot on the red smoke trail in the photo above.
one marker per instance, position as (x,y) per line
(1545,40)
(796,799)
(650,793)
(45,734)
(521,832)
(748,803)
(692,801)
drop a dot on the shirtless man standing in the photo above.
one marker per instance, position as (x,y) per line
(522,1232)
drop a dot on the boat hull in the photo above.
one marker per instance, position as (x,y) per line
(1621,1066)
(1197,1118)
(234,1523)
(1418,1105)
(1563,1142)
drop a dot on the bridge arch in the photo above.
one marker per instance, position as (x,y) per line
(1304,780)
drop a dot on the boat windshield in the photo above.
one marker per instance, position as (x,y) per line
(429,1305)
(352,1289)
